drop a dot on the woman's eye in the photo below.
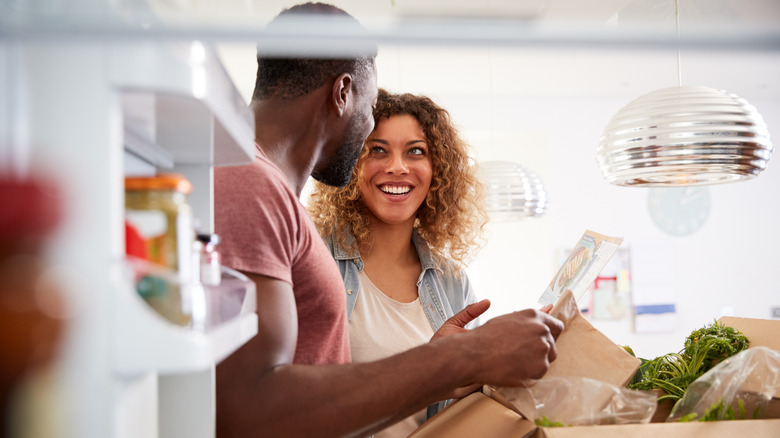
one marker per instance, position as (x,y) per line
(376,150)
(417,151)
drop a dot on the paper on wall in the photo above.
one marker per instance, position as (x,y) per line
(582,266)
(653,288)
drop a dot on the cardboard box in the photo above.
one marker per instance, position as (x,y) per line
(480,415)
(760,333)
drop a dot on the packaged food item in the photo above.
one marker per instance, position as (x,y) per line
(156,207)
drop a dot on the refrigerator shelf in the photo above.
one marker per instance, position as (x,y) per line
(223,319)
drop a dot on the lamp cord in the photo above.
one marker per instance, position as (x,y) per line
(677,26)
(490,97)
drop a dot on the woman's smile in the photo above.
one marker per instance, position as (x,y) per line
(395,190)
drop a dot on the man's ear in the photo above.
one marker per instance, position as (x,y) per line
(342,92)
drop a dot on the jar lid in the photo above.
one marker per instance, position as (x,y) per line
(168,181)
(31,208)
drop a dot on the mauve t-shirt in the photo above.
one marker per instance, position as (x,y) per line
(264,229)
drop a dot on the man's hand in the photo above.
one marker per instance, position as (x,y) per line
(520,346)
(507,350)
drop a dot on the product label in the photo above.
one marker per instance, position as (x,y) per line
(152,226)
(584,263)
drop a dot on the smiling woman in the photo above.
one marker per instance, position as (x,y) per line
(402,229)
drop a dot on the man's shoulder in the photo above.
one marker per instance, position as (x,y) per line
(259,175)
(259,165)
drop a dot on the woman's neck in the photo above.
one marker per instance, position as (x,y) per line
(390,244)
(391,262)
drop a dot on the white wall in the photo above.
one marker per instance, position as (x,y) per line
(546,109)
(724,267)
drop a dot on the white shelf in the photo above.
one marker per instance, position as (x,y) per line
(178,103)
(146,341)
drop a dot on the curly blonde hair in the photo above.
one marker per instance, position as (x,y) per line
(453,216)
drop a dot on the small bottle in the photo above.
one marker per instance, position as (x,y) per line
(210,260)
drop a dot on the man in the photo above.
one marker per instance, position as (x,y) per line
(295,377)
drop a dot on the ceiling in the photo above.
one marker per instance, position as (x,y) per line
(744,12)
(573,48)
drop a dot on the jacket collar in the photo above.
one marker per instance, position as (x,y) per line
(350,252)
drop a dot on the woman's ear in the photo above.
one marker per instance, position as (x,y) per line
(342,92)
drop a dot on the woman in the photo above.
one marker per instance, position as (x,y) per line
(402,230)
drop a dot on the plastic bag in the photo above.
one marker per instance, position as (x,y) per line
(578,401)
(740,387)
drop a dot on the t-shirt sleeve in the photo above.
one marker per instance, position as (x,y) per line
(256,219)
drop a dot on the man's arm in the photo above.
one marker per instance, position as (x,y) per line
(260,392)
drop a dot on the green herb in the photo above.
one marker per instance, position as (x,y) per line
(719,411)
(718,341)
(546,422)
(674,372)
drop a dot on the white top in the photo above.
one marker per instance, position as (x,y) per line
(380,327)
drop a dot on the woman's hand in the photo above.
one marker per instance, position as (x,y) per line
(457,324)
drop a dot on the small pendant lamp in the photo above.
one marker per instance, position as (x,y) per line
(684,135)
(514,192)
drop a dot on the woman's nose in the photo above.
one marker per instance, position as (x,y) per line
(397,165)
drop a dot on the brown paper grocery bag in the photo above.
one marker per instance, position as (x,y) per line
(582,350)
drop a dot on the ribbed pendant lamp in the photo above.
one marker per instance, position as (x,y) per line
(513,191)
(684,135)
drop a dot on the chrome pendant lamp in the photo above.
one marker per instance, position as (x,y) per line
(684,135)
(513,191)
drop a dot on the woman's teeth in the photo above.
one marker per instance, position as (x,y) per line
(395,190)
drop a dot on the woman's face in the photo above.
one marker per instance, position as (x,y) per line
(397,171)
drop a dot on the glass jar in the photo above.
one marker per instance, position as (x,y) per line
(156,207)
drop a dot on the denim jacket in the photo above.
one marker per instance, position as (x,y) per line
(441,295)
